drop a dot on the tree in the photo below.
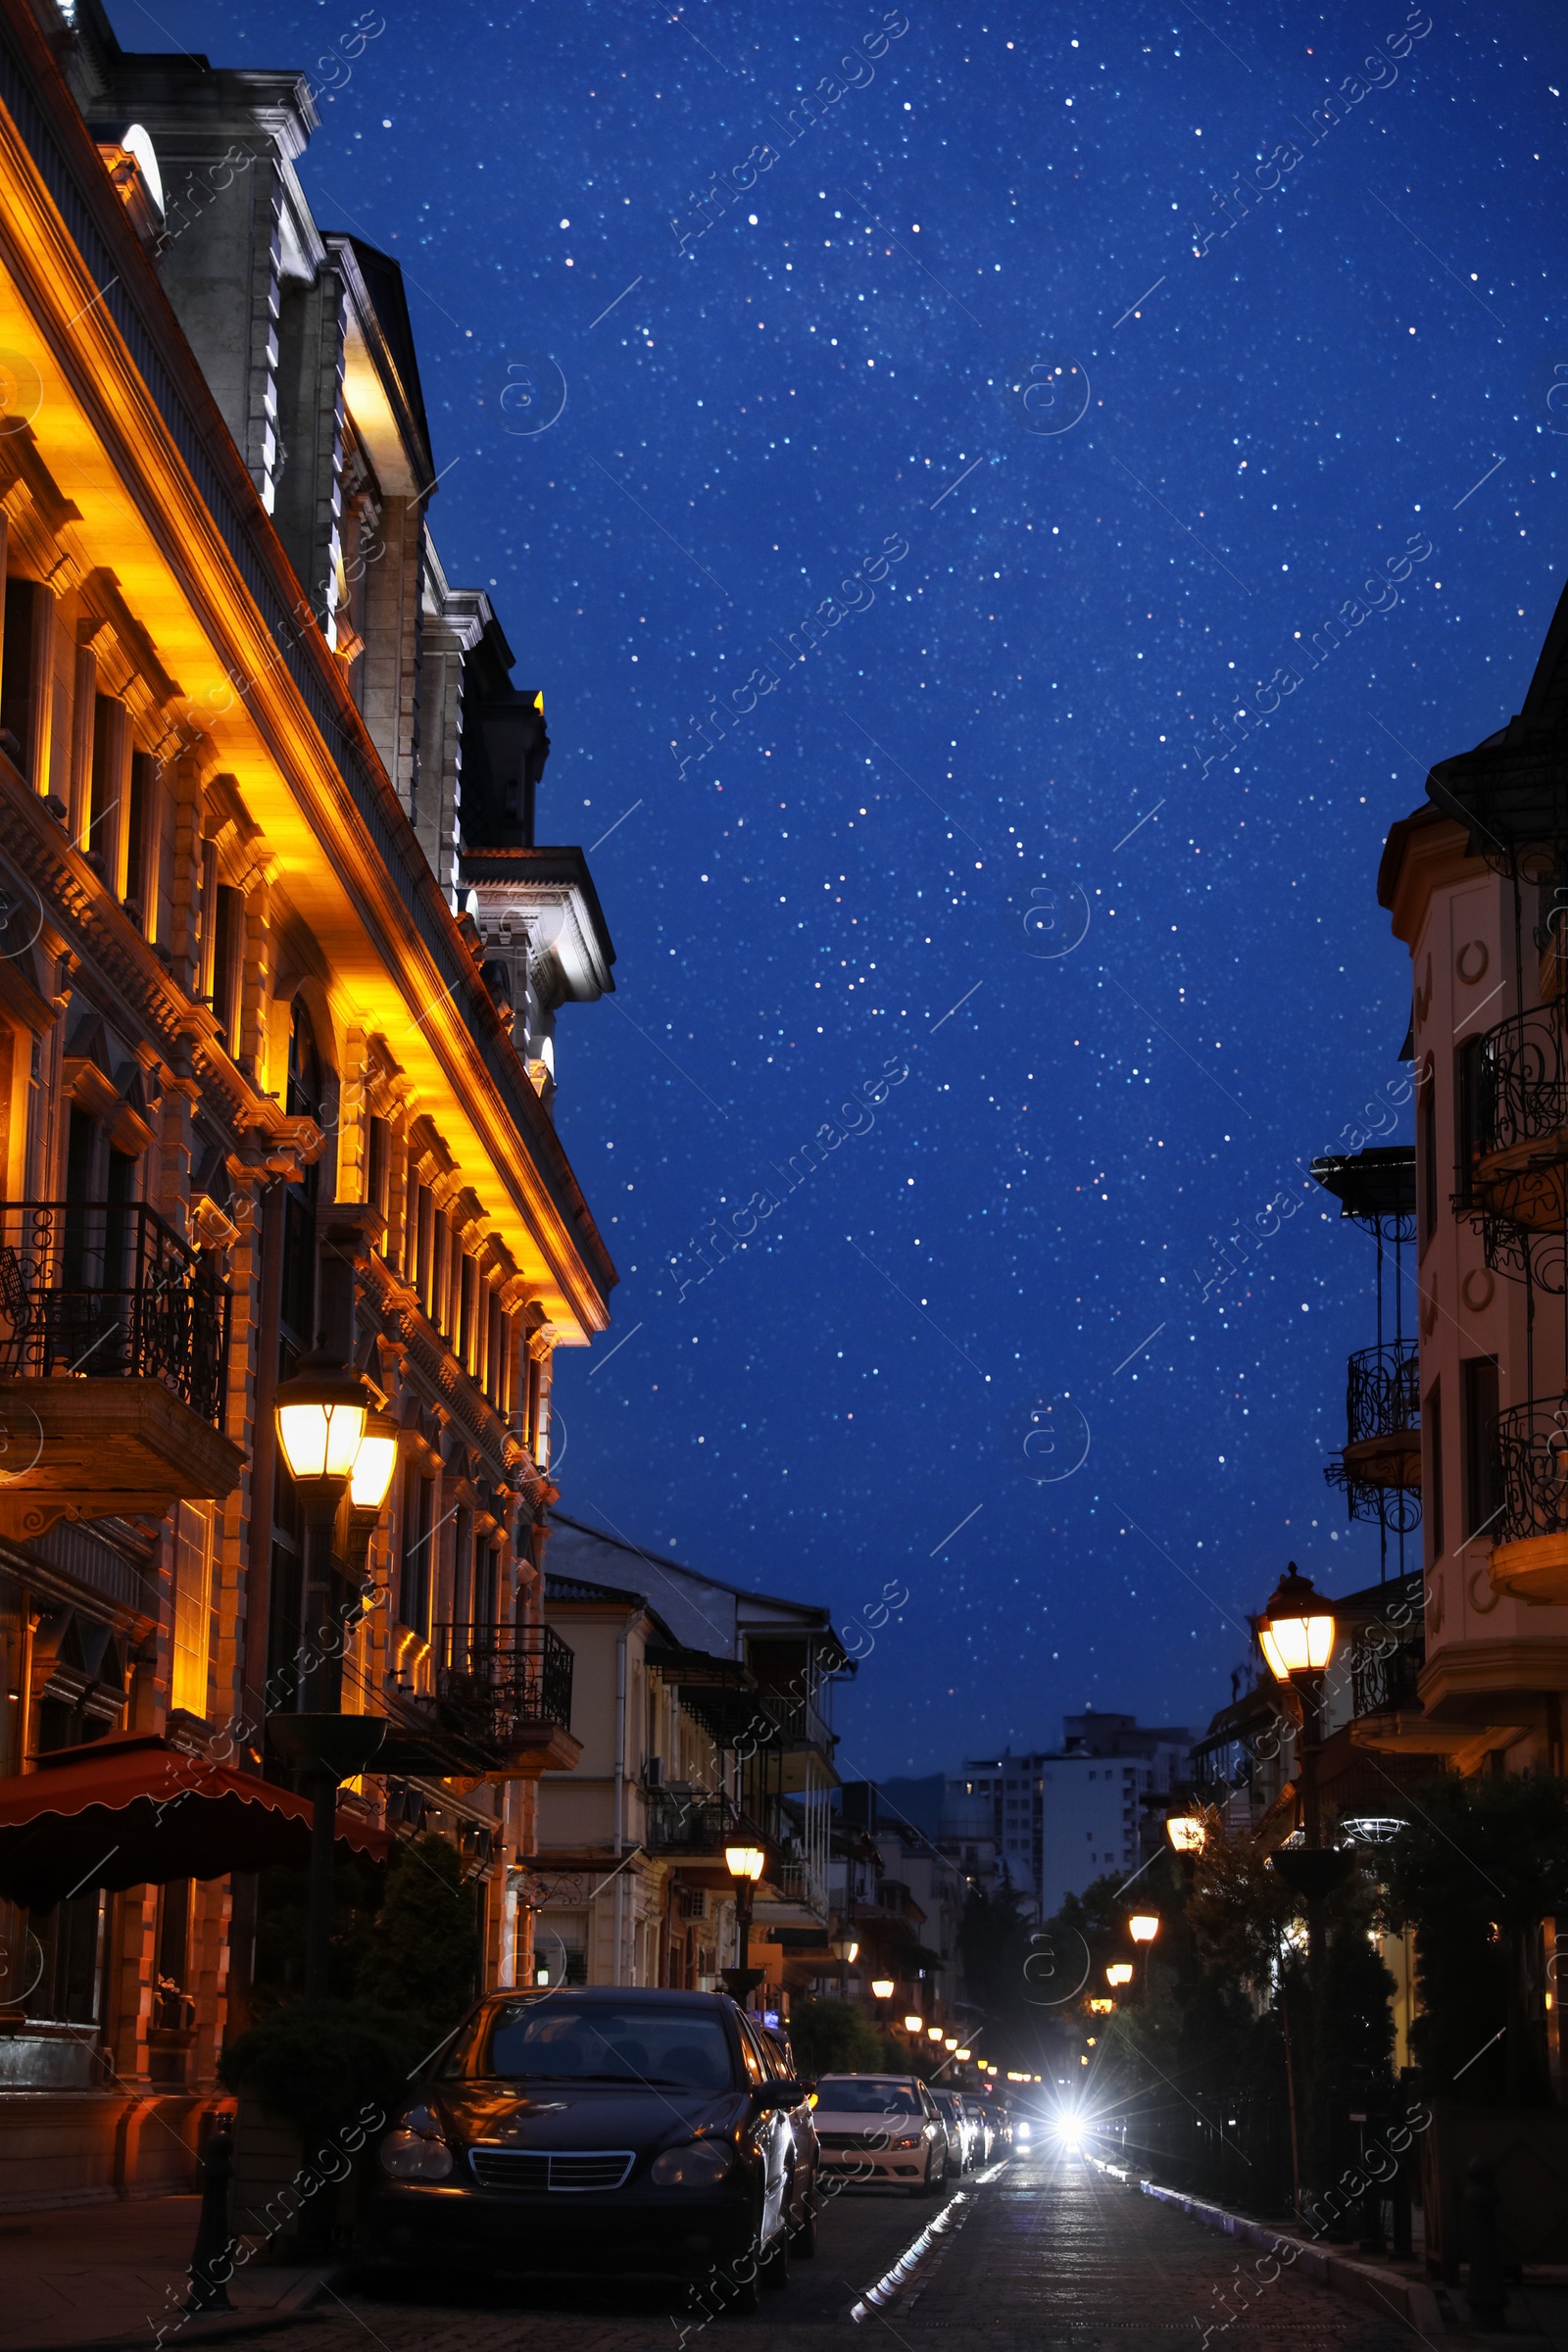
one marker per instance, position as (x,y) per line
(422,1956)
(1476,1869)
(834,2037)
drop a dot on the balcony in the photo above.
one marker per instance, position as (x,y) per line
(1513,1110)
(1382,1419)
(501,1707)
(114,1365)
(1529,1553)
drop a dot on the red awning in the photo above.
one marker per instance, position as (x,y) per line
(133,1809)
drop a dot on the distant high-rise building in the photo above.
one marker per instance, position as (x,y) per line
(1058,1819)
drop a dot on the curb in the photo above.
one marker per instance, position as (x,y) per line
(1383,2292)
(876,2298)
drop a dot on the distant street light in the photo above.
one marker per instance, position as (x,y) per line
(882,1988)
(1187,1833)
(1143,1926)
(1120,1972)
(914,2022)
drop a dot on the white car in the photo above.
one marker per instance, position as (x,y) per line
(882,2128)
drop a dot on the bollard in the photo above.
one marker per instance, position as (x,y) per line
(1371,2239)
(1485,2290)
(1403,2241)
(212,2264)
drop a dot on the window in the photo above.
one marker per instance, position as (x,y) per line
(468,1303)
(423,1243)
(378,1176)
(1469,1080)
(193,1578)
(484,1585)
(418,1512)
(29,620)
(462,1566)
(1483,1460)
(1426,1158)
(1431,1468)
(228,960)
(141,848)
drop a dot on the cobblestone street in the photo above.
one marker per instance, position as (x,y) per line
(1037,2252)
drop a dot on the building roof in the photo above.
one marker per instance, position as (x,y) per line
(703,1612)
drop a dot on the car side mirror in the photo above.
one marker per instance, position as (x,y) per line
(779,2094)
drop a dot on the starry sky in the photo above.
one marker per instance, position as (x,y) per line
(922,509)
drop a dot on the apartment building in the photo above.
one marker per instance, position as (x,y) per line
(265,1087)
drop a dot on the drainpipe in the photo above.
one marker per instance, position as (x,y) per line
(620,1804)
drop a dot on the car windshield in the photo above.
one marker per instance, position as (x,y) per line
(865,2094)
(945,2101)
(631,2041)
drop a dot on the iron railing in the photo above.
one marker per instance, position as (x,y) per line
(495,1683)
(1516,1085)
(1384,1675)
(104,1290)
(695,1822)
(1533,1449)
(1383,1391)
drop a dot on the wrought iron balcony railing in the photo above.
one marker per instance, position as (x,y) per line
(106,1290)
(1384,1676)
(498,1685)
(694,1821)
(1533,1448)
(1383,1393)
(1517,1084)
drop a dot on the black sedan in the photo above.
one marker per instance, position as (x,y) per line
(589,2130)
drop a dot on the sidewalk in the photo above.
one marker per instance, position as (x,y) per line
(1538,2307)
(115,2274)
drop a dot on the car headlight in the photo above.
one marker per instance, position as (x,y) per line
(416,2150)
(699,2165)
(416,2156)
(913,2140)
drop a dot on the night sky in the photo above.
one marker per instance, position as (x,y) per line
(1066,463)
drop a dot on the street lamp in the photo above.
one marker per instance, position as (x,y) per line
(1120,1972)
(933,2032)
(370,1480)
(1143,1926)
(914,2022)
(882,1988)
(745,1866)
(1187,1833)
(963,2056)
(1295,1631)
(320,1417)
(950,2041)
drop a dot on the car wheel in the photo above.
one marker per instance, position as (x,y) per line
(808,2221)
(744,2298)
(773,2269)
(926,2187)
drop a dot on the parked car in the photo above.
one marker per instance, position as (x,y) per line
(962,2140)
(882,2127)
(583,2130)
(807,2210)
(975,2109)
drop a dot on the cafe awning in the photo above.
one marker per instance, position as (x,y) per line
(133,1809)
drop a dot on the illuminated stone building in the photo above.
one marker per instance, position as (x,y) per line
(263,1083)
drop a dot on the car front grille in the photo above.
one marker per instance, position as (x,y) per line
(538,2168)
(865,2142)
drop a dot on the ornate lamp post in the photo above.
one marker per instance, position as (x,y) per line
(321,1415)
(1295,1633)
(745,1866)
